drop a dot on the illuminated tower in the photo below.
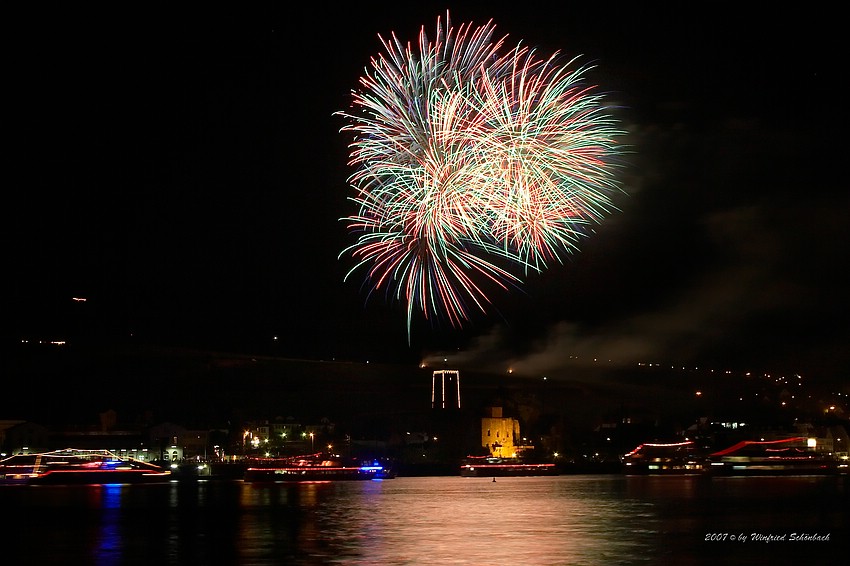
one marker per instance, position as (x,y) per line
(446,395)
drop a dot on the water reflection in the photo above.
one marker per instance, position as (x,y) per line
(442,520)
(448,521)
(108,549)
(534,521)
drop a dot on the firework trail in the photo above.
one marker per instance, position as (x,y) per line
(472,165)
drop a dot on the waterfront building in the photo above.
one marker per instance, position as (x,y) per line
(23,437)
(176,443)
(501,434)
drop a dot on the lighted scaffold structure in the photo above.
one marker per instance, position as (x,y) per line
(449,384)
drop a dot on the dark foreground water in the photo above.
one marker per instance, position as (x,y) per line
(605,520)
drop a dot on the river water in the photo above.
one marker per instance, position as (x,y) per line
(583,519)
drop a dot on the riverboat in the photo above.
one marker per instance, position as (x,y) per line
(379,470)
(788,456)
(490,466)
(676,458)
(310,468)
(75,466)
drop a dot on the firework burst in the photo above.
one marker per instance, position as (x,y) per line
(472,165)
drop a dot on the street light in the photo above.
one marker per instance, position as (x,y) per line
(312,447)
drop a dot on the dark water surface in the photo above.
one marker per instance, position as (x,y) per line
(605,520)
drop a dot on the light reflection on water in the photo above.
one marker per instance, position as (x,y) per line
(108,540)
(438,520)
(476,521)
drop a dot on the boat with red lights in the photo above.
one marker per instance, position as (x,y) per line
(677,458)
(491,466)
(73,466)
(787,456)
(311,468)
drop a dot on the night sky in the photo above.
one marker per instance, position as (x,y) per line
(186,175)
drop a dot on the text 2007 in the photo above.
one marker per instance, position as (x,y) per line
(716,536)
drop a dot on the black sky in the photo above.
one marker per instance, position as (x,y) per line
(184,172)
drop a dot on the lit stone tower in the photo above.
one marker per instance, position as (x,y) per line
(446,393)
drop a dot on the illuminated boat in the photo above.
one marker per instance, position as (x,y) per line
(310,468)
(72,466)
(788,456)
(379,470)
(675,458)
(491,466)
